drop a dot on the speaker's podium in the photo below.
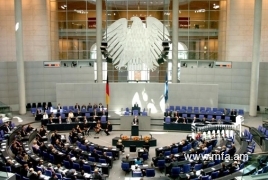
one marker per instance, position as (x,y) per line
(134,130)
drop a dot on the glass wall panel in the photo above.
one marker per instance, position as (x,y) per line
(202,30)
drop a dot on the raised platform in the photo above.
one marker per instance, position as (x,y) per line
(177,126)
(127,143)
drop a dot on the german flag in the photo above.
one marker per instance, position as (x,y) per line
(107,92)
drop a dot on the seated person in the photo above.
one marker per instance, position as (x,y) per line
(95,106)
(70,114)
(232,150)
(137,170)
(98,127)
(45,116)
(160,157)
(68,120)
(120,146)
(96,175)
(50,121)
(89,106)
(77,106)
(176,119)
(29,128)
(83,107)
(168,114)
(108,128)
(175,114)
(138,161)
(59,107)
(192,175)
(100,105)
(234,167)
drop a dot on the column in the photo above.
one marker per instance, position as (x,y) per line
(254,84)
(98,39)
(175,19)
(19,56)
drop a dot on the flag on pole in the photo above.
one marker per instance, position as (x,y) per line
(107,92)
(166,88)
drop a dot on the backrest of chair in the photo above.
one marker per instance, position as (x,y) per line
(102,160)
(184,115)
(201,116)
(125,166)
(91,159)
(126,113)
(150,172)
(227,118)
(136,174)
(144,113)
(87,168)
(161,163)
(103,119)
(62,115)
(192,116)
(167,120)
(183,107)
(171,108)
(218,117)
(71,108)
(177,108)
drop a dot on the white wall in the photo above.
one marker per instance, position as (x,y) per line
(40,82)
(234,83)
(36,36)
(149,95)
(239,37)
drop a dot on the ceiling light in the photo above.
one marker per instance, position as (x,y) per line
(215,6)
(200,11)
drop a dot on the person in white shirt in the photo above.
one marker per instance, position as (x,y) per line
(45,116)
(70,114)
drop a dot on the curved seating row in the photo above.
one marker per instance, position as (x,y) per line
(211,171)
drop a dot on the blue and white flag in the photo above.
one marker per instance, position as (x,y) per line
(166,89)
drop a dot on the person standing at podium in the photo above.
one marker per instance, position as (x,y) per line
(135,121)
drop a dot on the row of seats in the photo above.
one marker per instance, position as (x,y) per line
(264,131)
(203,109)
(38,105)
(71,108)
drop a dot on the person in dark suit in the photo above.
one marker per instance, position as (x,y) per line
(168,113)
(232,151)
(160,157)
(77,106)
(136,105)
(108,128)
(96,175)
(135,121)
(95,106)
(89,106)
(83,107)
(233,112)
(95,155)
(45,108)
(223,168)
(6,129)
(70,174)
